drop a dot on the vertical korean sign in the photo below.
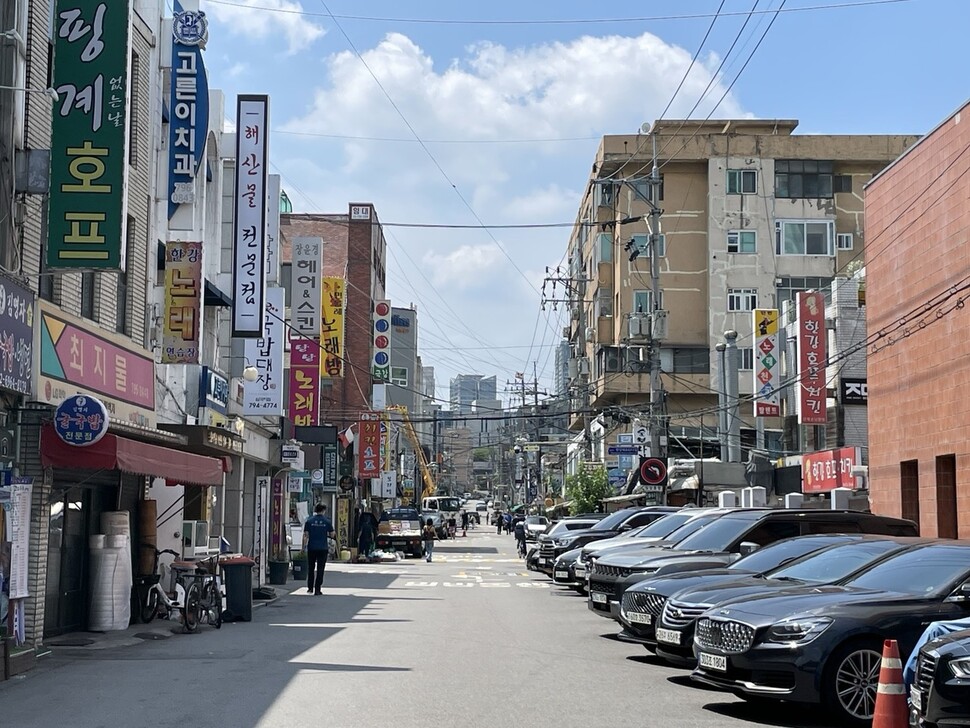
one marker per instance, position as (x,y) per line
(265,395)
(189,105)
(261,520)
(332,327)
(305,287)
(89,135)
(381,363)
(183,302)
(369,446)
(249,217)
(766,375)
(811,359)
(304,404)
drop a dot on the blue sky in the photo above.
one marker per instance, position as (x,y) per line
(473,90)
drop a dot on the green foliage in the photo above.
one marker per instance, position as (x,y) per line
(587,488)
(481,454)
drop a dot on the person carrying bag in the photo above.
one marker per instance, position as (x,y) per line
(428,536)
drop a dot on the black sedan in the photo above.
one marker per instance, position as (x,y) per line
(824,644)
(675,630)
(642,604)
(941,694)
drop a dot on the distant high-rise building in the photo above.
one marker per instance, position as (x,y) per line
(466,388)
(562,368)
(427,382)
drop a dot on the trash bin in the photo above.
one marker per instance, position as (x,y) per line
(238,574)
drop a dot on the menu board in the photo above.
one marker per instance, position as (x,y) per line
(18,526)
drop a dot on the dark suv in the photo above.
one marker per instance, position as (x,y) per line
(941,693)
(724,541)
(612,525)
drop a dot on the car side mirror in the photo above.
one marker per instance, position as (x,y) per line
(962,593)
(625,528)
(747,547)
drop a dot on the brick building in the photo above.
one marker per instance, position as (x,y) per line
(918,275)
(354,248)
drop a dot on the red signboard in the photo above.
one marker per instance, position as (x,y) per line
(829,469)
(811,359)
(368,444)
(304,404)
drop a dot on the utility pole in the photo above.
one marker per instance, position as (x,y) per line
(731,357)
(722,408)
(657,398)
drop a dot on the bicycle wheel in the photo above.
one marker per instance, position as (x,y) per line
(213,603)
(149,607)
(192,611)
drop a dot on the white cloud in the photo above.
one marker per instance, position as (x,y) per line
(237,69)
(469,266)
(244,17)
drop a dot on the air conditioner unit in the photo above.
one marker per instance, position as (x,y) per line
(572,368)
(612,359)
(583,365)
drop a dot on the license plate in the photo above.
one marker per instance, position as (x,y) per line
(668,636)
(712,662)
(562,574)
(580,571)
(916,697)
(598,598)
(638,618)
(543,562)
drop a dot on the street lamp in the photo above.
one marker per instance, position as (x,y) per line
(49,92)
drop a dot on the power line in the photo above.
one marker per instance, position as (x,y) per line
(405,140)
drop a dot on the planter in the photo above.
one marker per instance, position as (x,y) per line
(279,572)
(300,569)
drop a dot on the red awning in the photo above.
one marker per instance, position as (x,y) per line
(113,452)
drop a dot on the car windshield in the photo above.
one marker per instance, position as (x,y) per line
(773,556)
(449,504)
(536,520)
(920,572)
(400,514)
(663,527)
(689,528)
(717,535)
(612,521)
(836,563)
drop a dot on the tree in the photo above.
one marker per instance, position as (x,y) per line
(587,488)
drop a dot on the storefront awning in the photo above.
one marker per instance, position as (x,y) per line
(130,456)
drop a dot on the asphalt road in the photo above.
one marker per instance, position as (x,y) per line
(471,639)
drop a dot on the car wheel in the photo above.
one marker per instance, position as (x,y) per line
(852,680)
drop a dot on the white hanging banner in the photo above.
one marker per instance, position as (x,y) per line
(306,304)
(265,395)
(273,229)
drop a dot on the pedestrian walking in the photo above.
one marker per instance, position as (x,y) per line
(452,527)
(520,536)
(498,523)
(428,536)
(464,523)
(316,543)
(508,523)
(368,531)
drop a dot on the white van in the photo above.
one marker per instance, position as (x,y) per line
(449,506)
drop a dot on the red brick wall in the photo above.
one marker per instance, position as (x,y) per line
(349,249)
(917,248)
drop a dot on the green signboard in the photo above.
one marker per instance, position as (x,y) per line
(89,134)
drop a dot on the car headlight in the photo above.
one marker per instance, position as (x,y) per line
(960,667)
(801,631)
(562,543)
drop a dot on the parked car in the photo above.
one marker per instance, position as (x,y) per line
(571,567)
(838,562)
(535,525)
(557,530)
(940,695)
(823,644)
(725,540)
(612,525)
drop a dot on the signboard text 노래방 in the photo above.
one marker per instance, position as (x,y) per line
(767,365)
(183,302)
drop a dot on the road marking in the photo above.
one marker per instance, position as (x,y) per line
(495,585)
(533,584)
(458,584)
(420,583)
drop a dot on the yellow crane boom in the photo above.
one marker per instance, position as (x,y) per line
(412,436)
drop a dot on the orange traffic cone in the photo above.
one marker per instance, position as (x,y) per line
(891,710)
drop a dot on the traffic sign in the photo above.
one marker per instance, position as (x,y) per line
(653,471)
(622,449)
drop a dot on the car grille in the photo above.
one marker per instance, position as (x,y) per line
(925,670)
(607,570)
(599,586)
(732,638)
(547,549)
(680,614)
(643,603)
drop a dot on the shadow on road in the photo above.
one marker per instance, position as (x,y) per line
(778,714)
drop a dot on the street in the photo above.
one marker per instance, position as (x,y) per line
(470,639)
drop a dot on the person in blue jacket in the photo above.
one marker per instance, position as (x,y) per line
(316,542)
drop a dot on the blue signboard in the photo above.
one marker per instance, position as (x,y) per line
(622,449)
(188,107)
(16,336)
(81,420)
(213,391)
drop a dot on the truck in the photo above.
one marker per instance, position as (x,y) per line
(400,530)
(448,506)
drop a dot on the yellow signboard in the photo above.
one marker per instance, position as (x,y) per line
(332,326)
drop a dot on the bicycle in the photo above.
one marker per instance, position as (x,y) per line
(202,592)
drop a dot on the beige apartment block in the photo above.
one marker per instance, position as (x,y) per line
(752,213)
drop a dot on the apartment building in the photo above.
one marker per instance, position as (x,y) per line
(752,214)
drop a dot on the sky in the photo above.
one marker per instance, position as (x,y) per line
(475,114)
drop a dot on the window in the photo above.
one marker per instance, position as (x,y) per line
(843,241)
(643,301)
(802,179)
(805,237)
(742,181)
(842,183)
(121,302)
(946,496)
(88,283)
(696,360)
(604,301)
(641,186)
(746,358)
(399,376)
(742,241)
(604,246)
(133,110)
(742,299)
(909,482)
(604,194)
(787,287)
(641,243)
